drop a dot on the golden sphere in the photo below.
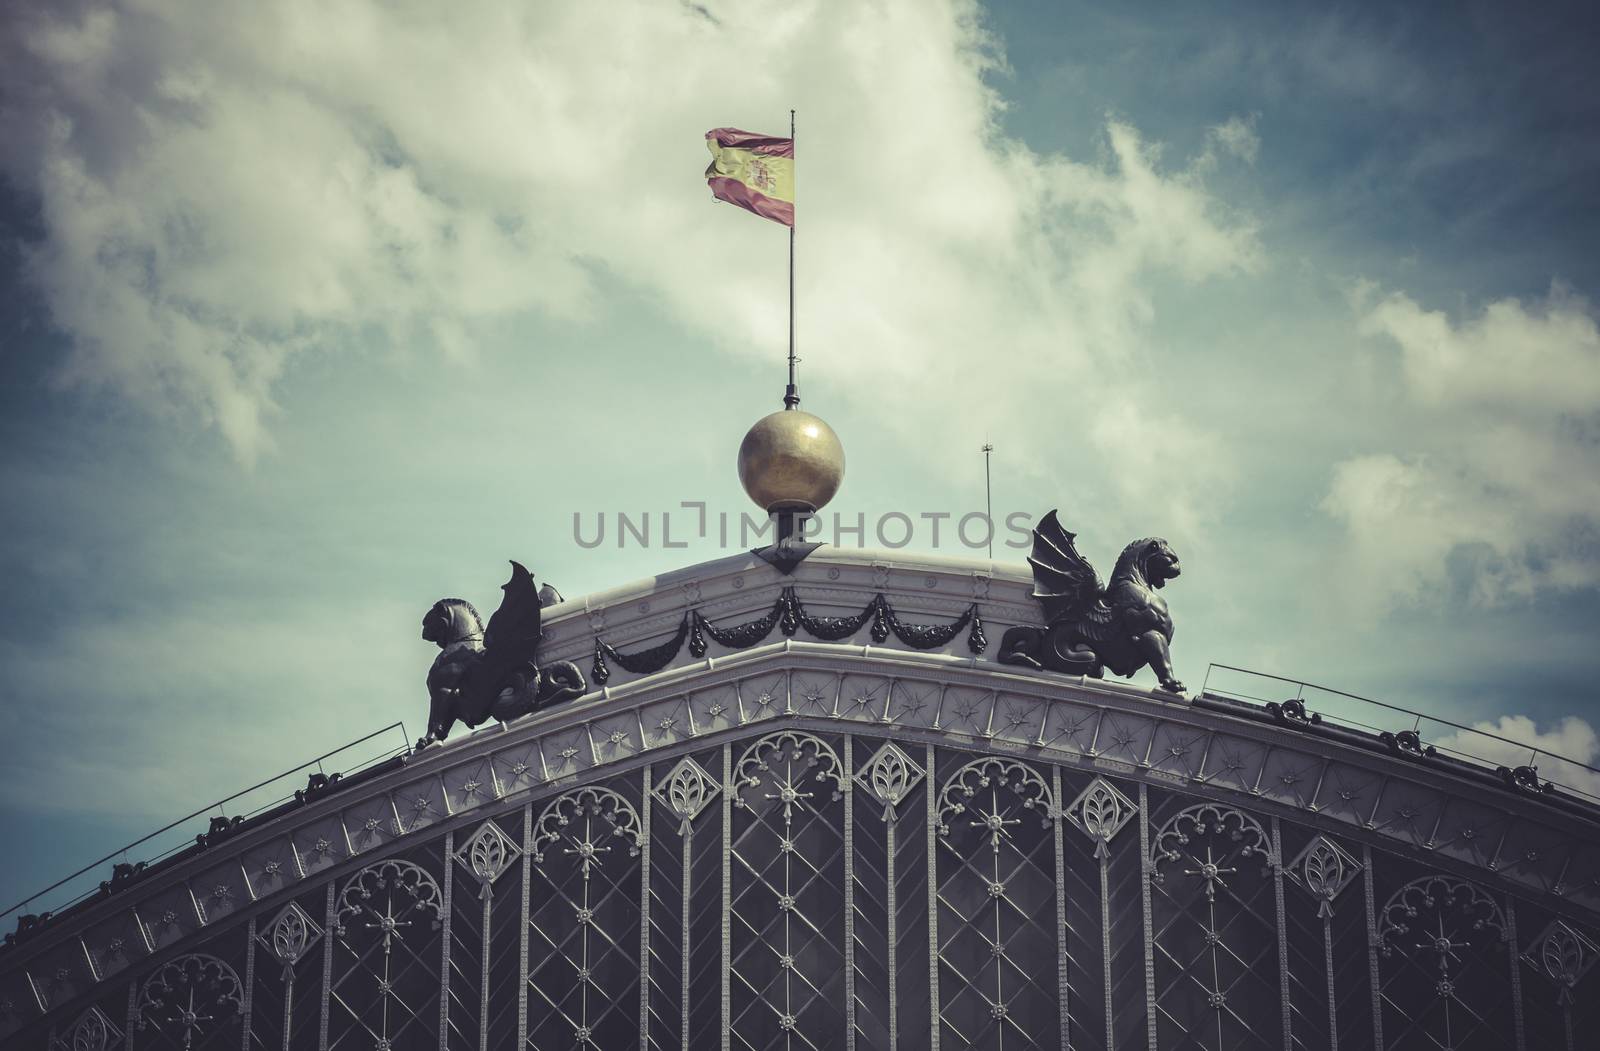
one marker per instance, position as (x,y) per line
(791,461)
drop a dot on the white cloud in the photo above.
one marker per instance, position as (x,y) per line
(1538,359)
(1563,754)
(1500,487)
(226,186)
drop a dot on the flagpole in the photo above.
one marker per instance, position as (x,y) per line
(791,396)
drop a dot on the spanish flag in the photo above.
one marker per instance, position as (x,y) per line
(755,172)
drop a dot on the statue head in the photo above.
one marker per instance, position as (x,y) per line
(1151,559)
(452,620)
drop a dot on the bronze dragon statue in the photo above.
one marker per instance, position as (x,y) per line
(492,672)
(1089,628)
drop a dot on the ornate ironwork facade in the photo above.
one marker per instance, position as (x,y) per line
(830,846)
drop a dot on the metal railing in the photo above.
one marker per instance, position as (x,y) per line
(181,834)
(1471,744)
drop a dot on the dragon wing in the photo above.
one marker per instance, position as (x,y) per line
(1064,582)
(510,643)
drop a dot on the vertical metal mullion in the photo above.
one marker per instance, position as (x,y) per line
(133,1015)
(249,982)
(687,837)
(483,973)
(1061,902)
(1283,935)
(644,913)
(1149,930)
(1516,972)
(1372,950)
(893,955)
(933,906)
(444,952)
(522,939)
(727,900)
(330,934)
(849,896)
(1105,941)
(1327,959)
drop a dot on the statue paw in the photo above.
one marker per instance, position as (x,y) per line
(1172,685)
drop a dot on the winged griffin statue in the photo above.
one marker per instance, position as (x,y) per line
(1090,627)
(493,672)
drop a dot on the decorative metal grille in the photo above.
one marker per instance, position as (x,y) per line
(1563,955)
(583,974)
(801,891)
(193,1001)
(93,1031)
(1214,931)
(386,981)
(890,778)
(1444,973)
(997,907)
(788,892)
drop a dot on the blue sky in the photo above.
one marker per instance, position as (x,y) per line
(310,319)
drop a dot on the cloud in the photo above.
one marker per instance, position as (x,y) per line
(216,209)
(1566,752)
(1499,496)
(1537,360)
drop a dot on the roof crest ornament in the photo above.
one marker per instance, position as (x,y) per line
(1091,627)
(493,672)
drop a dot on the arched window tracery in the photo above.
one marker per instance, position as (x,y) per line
(1214,930)
(786,857)
(191,1002)
(583,922)
(997,906)
(385,983)
(1442,943)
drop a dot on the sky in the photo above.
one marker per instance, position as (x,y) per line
(312,315)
